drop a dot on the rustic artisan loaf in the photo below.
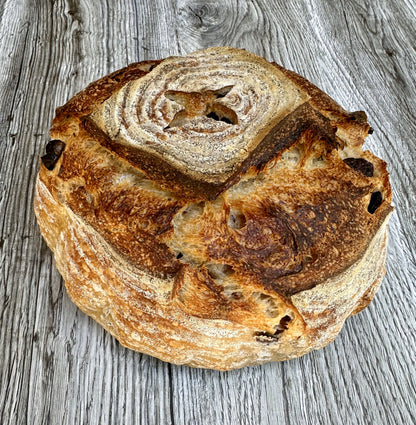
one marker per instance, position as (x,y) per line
(215,210)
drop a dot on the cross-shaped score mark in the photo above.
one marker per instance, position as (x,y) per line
(199,104)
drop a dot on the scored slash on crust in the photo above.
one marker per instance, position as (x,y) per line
(199,104)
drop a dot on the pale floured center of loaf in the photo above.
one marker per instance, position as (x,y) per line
(203,113)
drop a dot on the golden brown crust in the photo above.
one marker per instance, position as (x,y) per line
(270,256)
(352,125)
(84,102)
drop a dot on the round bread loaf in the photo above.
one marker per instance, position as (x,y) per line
(214,210)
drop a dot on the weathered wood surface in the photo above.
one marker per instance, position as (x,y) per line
(56,365)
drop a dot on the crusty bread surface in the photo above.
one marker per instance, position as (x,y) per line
(214,210)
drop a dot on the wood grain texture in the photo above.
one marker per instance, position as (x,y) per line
(59,367)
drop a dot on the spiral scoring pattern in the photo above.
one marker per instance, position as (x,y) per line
(139,114)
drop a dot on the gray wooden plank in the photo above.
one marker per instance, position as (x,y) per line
(57,365)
